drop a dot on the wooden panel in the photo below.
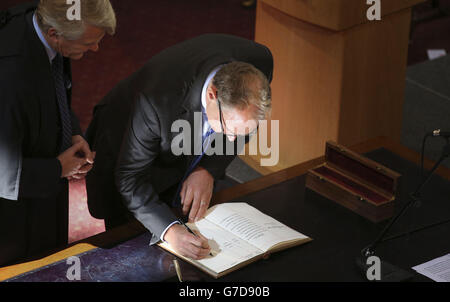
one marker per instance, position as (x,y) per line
(374,72)
(344,86)
(336,14)
(306,85)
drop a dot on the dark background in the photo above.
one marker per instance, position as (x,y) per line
(145,27)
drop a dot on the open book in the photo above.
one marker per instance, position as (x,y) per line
(239,234)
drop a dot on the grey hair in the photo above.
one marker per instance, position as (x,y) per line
(53,14)
(240,85)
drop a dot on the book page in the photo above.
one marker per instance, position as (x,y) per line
(227,249)
(437,269)
(251,225)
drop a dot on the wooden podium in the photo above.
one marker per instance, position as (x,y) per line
(337,75)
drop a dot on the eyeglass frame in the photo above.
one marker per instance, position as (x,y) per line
(222,122)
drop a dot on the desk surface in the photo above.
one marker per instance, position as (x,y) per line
(123,254)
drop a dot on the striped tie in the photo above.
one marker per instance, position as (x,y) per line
(61,95)
(205,143)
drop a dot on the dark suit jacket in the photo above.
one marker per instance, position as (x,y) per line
(33,197)
(138,114)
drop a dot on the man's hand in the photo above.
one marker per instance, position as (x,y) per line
(76,161)
(187,244)
(196,193)
(85,152)
(70,161)
(82,172)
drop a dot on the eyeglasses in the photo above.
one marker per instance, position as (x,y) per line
(222,123)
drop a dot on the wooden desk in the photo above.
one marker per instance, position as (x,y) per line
(120,234)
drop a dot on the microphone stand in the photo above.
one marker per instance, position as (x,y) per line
(388,271)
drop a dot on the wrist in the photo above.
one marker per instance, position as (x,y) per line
(204,171)
(171,233)
(76,139)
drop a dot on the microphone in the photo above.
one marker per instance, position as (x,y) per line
(390,272)
(438,132)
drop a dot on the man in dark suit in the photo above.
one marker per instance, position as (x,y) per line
(215,88)
(40,138)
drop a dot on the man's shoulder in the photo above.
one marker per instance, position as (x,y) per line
(14,33)
(14,55)
(14,75)
(13,28)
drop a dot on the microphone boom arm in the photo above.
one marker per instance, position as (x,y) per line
(370,250)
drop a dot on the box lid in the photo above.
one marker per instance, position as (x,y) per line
(362,168)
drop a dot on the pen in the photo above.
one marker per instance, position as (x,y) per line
(178,270)
(190,231)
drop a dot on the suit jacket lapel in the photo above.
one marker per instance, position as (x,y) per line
(40,70)
(192,107)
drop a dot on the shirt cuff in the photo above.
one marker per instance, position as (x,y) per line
(164,232)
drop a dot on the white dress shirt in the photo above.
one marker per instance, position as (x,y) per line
(50,51)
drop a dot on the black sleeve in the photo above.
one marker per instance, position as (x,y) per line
(140,147)
(76,129)
(40,177)
(21,177)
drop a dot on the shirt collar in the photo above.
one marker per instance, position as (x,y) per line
(50,51)
(205,86)
(211,75)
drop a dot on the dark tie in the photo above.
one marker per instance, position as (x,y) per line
(61,95)
(176,201)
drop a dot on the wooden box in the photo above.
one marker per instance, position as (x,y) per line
(355,182)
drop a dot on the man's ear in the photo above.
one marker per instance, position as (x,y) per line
(211,92)
(52,34)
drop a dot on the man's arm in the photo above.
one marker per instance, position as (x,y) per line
(140,147)
(21,177)
(76,129)
(197,190)
(25,176)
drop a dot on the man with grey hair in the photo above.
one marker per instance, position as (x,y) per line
(217,86)
(41,146)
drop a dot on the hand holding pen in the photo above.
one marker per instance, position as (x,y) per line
(186,242)
(192,232)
